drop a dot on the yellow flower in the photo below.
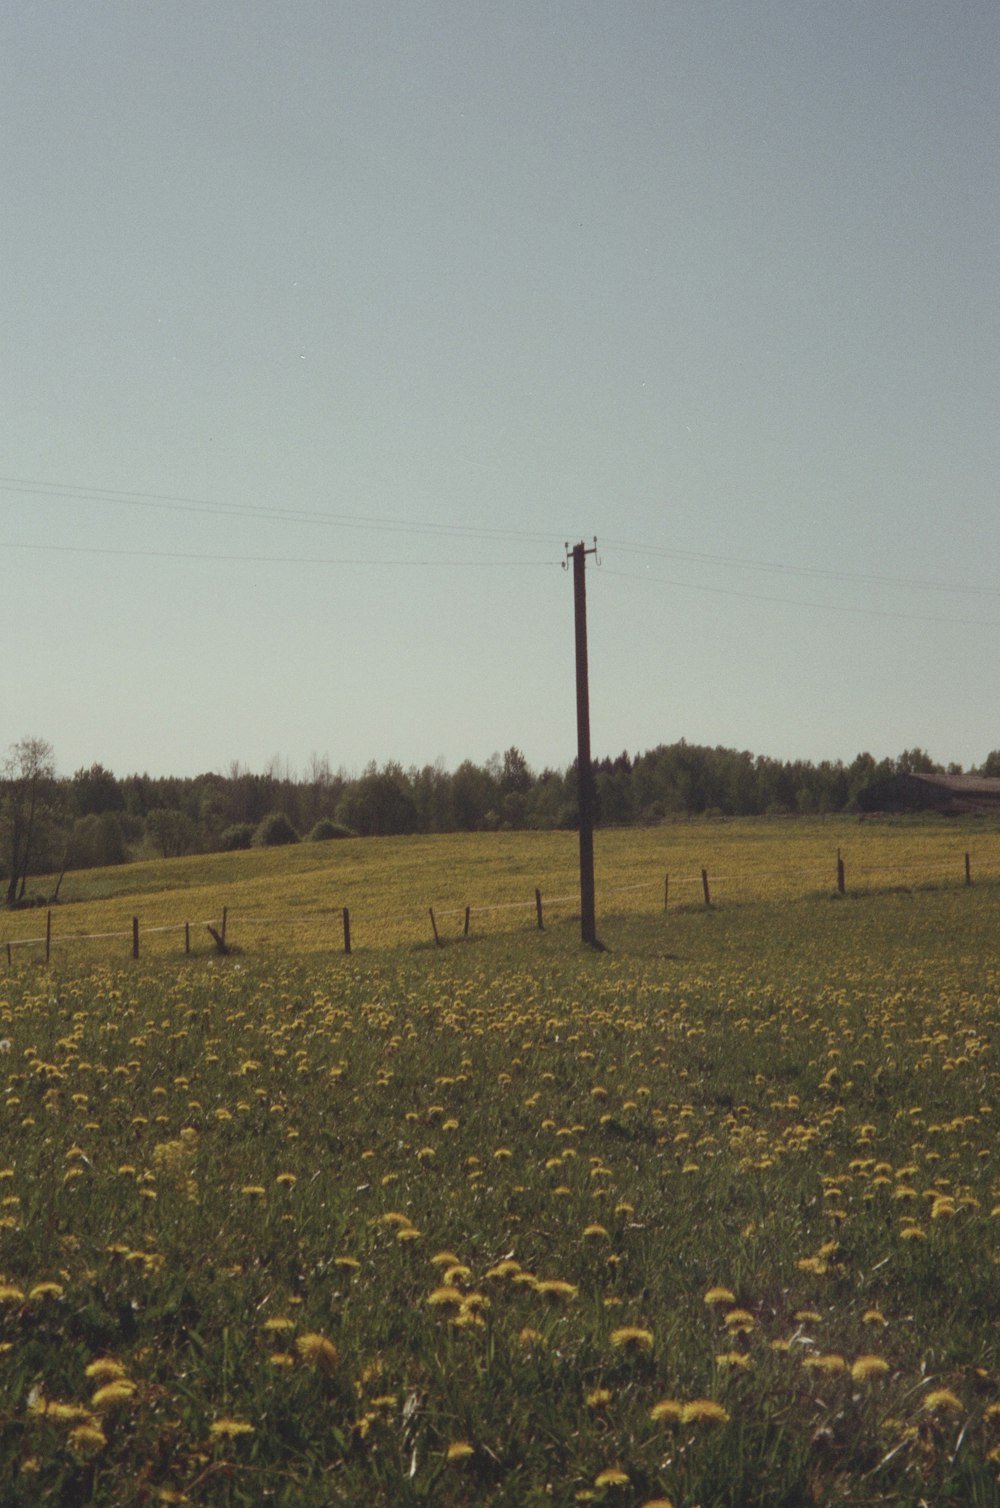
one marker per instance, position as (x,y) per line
(228,1429)
(737,1359)
(555,1290)
(597,1398)
(46,1291)
(719,1295)
(943,1401)
(868,1366)
(317,1351)
(459,1450)
(279,1322)
(739,1320)
(445,1295)
(611,1476)
(704,1410)
(595,1233)
(105,1369)
(86,1438)
(119,1391)
(632,1338)
(831,1363)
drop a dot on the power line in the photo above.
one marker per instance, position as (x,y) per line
(214,558)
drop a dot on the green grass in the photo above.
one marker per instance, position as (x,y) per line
(765,1097)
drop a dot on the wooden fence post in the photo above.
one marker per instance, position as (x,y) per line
(968,871)
(538,909)
(48,936)
(704,886)
(9,959)
(187,937)
(435,929)
(225,914)
(840,873)
(347,930)
(135,937)
(468,914)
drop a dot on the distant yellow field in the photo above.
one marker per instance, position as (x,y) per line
(295,897)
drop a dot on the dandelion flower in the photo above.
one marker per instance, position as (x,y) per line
(719,1295)
(632,1338)
(943,1401)
(612,1476)
(228,1429)
(86,1439)
(704,1411)
(459,1450)
(739,1360)
(873,1317)
(105,1369)
(667,1409)
(868,1366)
(113,1393)
(316,1351)
(556,1290)
(445,1295)
(279,1322)
(831,1363)
(46,1291)
(739,1321)
(598,1398)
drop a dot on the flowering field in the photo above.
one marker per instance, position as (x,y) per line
(712,1218)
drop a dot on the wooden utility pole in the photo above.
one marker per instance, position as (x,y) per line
(584,770)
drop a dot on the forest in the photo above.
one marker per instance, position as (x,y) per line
(51,823)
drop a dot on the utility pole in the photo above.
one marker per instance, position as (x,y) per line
(584,770)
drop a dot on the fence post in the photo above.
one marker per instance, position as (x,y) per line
(666,890)
(840,873)
(135,937)
(704,886)
(225,914)
(468,913)
(968,871)
(347,930)
(538,909)
(48,936)
(435,928)
(9,959)
(187,937)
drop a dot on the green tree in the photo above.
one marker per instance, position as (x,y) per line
(30,807)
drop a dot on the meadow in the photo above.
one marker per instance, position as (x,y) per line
(711,1218)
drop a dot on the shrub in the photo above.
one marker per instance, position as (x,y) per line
(273,831)
(240,835)
(326,828)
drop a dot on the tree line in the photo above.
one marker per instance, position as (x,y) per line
(50,824)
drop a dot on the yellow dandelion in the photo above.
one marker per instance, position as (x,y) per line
(457,1273)
(632,1338)
(612,1476)
(505,1269)
(529,1337)
(46,1291)
(253,1190)
(445,1295)
(912,1233)
(868,1366)
(86,1439)
(286,1179)
(807,1317)
(595,1233)
(739,1320)
(704,1411)
(408,1233)
(458,1451)
(281,1359)
(349,1264)
(943,1401)
(229,1429)
(738,1360)
(720,1295)
(556,1291)
(316,1351)
(873,1317)
(598,1398)
(830,1364)
(105,1369)
(113,1393)
(279,1322)
(10,1293)
(444,1258)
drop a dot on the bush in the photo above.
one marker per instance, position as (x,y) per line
(326,829)
(240,835)
(273,831)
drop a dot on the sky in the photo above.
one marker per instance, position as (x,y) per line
(328,326)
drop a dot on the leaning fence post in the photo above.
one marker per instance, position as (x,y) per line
(840,873)
(435,928)
(48,936)
(538,909)
(135,937)
(468,913)
(968,871)
(347,930)
(704,886)
(225,914)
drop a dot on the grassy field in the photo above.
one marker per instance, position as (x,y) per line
(711,1218)
(293,898)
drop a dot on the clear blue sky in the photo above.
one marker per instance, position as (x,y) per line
(326,325)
